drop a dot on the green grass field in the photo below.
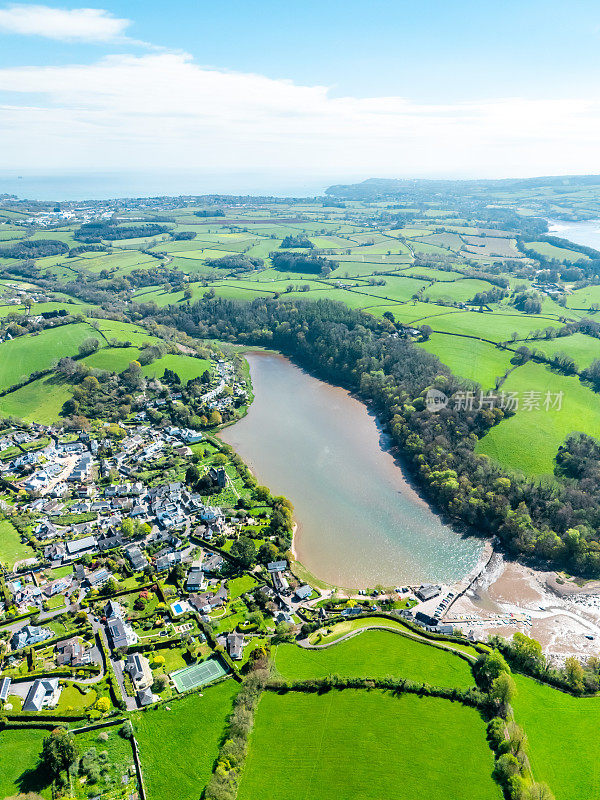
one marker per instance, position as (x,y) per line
(559,253)
(529,440)
(468,358)
(19,752)
(178,748)
(582,349)
(40,401)
(11,547)
(26,354)
(369,745)
(375,654)
(237,586)
(564,749)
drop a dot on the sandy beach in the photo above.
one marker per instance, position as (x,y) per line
(508,597)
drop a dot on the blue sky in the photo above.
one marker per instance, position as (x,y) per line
(386,88)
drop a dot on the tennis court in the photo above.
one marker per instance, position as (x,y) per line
(190,678)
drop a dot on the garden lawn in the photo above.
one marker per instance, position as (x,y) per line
(354,744)
(376,654)
(11,547)
(72,699)
(238,586)
(19,751)
(564,748)
(178,748)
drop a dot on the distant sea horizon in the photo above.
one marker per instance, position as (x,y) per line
(108,186)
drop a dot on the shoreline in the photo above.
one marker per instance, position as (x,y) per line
(510,596)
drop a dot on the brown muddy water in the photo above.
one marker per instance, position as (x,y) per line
(360,522)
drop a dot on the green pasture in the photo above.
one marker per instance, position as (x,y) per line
(351,744)
(582,349)
(584,298)
(529,440)
(469,358)
(19,756)
(564,748)
(40,401)
(375,654)
(559,253)
(23,355)
(178,747)
(495,326)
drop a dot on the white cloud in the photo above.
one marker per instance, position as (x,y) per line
(78,24)
(163,111)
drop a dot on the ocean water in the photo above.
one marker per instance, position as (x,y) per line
(106,186)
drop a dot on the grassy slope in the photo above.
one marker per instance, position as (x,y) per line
(26,354)
(529,440)
(40,401)
(469,358)
(11,548)
(368,745)
(178,747)
(564,748)
(376,654)
(582,349)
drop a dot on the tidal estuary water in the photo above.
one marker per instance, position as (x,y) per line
(359,520)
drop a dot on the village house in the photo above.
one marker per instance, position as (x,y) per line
(44,693)
(30,635)
(235,646)
(72,653)
(138,669)
(195,577)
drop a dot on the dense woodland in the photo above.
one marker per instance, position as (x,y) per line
(96,231)
(34,248)
(555,522)
(302,262)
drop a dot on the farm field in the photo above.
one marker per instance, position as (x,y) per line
(542,711)
(559,253)
(529,440)
(33,352)
(375,654)
(460,290)
(331,746)
(40,401)
(18,763)
(183,742)
(584,298)
(494,326)
(582,349)
(469,358)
